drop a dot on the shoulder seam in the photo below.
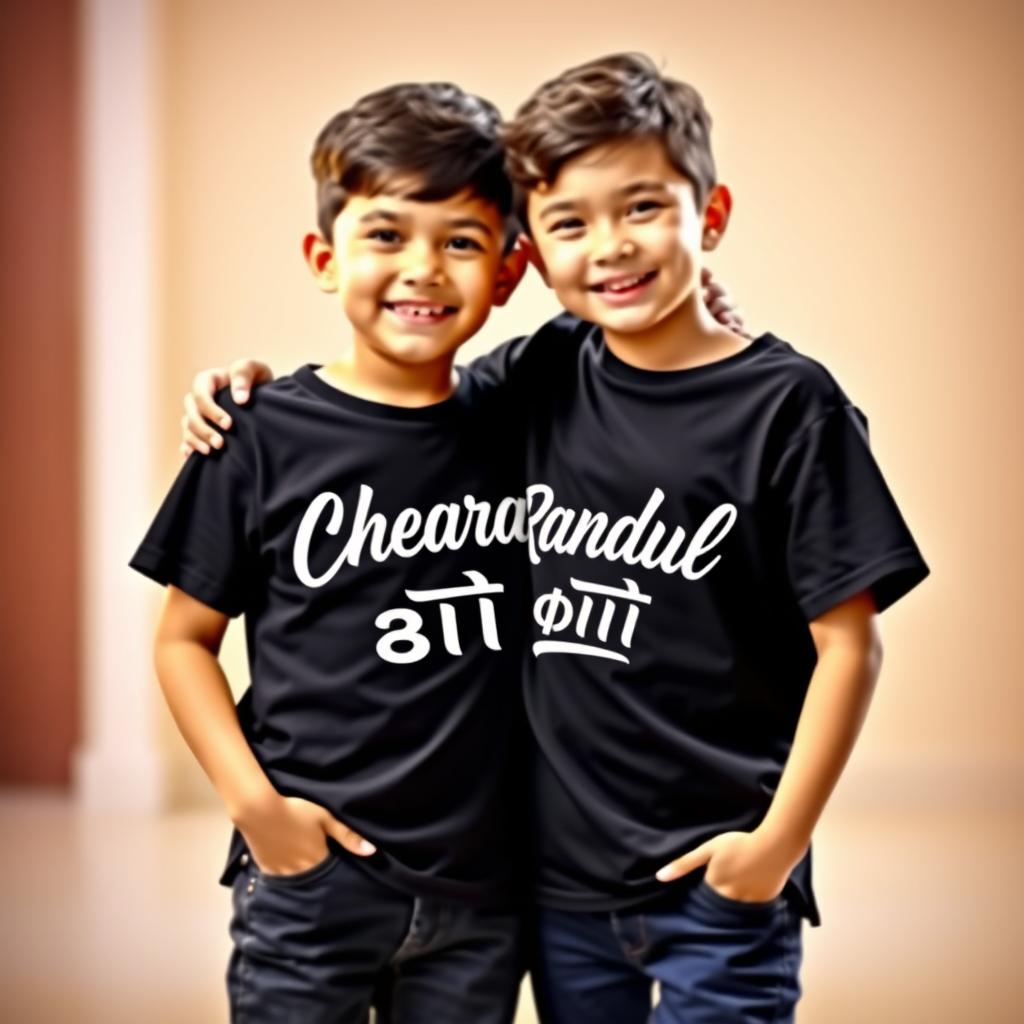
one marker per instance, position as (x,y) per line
(804,430)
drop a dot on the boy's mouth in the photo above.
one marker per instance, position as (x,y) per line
(420,312)
(624,287)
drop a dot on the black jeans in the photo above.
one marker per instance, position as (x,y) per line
(321,946)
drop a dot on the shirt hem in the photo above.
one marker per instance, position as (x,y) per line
(865,577)
(156,564)
(498,894)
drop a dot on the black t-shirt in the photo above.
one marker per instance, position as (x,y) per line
(377,554)
(685,526)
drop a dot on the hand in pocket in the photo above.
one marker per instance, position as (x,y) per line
(287,835)
(743,866)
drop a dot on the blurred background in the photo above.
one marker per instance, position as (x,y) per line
(155,190)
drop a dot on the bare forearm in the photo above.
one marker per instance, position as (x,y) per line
(755,865)
(200,700)
(834,710)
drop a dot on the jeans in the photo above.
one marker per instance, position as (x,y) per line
(717,961)
(321,946)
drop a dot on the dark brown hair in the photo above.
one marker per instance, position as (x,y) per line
(426,141)
(622,96)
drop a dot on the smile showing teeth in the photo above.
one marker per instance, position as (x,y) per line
(424,311)
(624,284)
(621,286)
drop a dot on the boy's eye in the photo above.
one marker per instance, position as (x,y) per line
(385,235)
(644,206)
(463,243)
(567,224)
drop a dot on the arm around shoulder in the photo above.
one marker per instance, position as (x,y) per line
(202,410)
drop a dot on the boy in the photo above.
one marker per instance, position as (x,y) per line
(710,540)
(368,519)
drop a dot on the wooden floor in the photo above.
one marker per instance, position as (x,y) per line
(120,919)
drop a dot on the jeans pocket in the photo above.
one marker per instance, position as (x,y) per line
(307,875)
(757,908)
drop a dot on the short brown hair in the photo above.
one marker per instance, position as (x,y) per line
(431,140)
(622,96)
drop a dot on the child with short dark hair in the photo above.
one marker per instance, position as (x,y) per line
(368,520)
(710,540)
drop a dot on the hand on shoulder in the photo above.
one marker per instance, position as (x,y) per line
(202,411)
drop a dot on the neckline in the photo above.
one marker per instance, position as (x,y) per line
(620,369)
(306,375)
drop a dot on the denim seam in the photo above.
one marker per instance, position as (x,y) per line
(631,952)
(244,962)
(409,939)
(788,958)
(244,970)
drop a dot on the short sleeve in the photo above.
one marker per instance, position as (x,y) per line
(204,538)
(842,530)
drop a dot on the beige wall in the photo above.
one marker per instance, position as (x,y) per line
(873,157)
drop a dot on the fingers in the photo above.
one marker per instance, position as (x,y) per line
(720,307)
(191,442)
(196,434)
(670,872)
(240,387)
(685,864)
(204,387)
(351,840)
(733,319)
(712,291)
(246,374)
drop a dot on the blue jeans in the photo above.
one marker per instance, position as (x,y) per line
(718,961)
(321,946)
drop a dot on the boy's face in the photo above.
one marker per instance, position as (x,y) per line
(618,235)
(416,279)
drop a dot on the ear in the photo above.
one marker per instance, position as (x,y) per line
(716,216)
(319,256)
(510,273)
(529,247)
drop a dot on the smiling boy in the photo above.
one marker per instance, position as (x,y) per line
(710,541)
(346,520)
(689,738)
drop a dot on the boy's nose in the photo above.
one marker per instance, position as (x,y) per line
(612,247)
(423,267)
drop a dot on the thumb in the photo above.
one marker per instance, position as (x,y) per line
(350,839)
(245,375)
(685,864)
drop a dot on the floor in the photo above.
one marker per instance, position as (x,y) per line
(120,919)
